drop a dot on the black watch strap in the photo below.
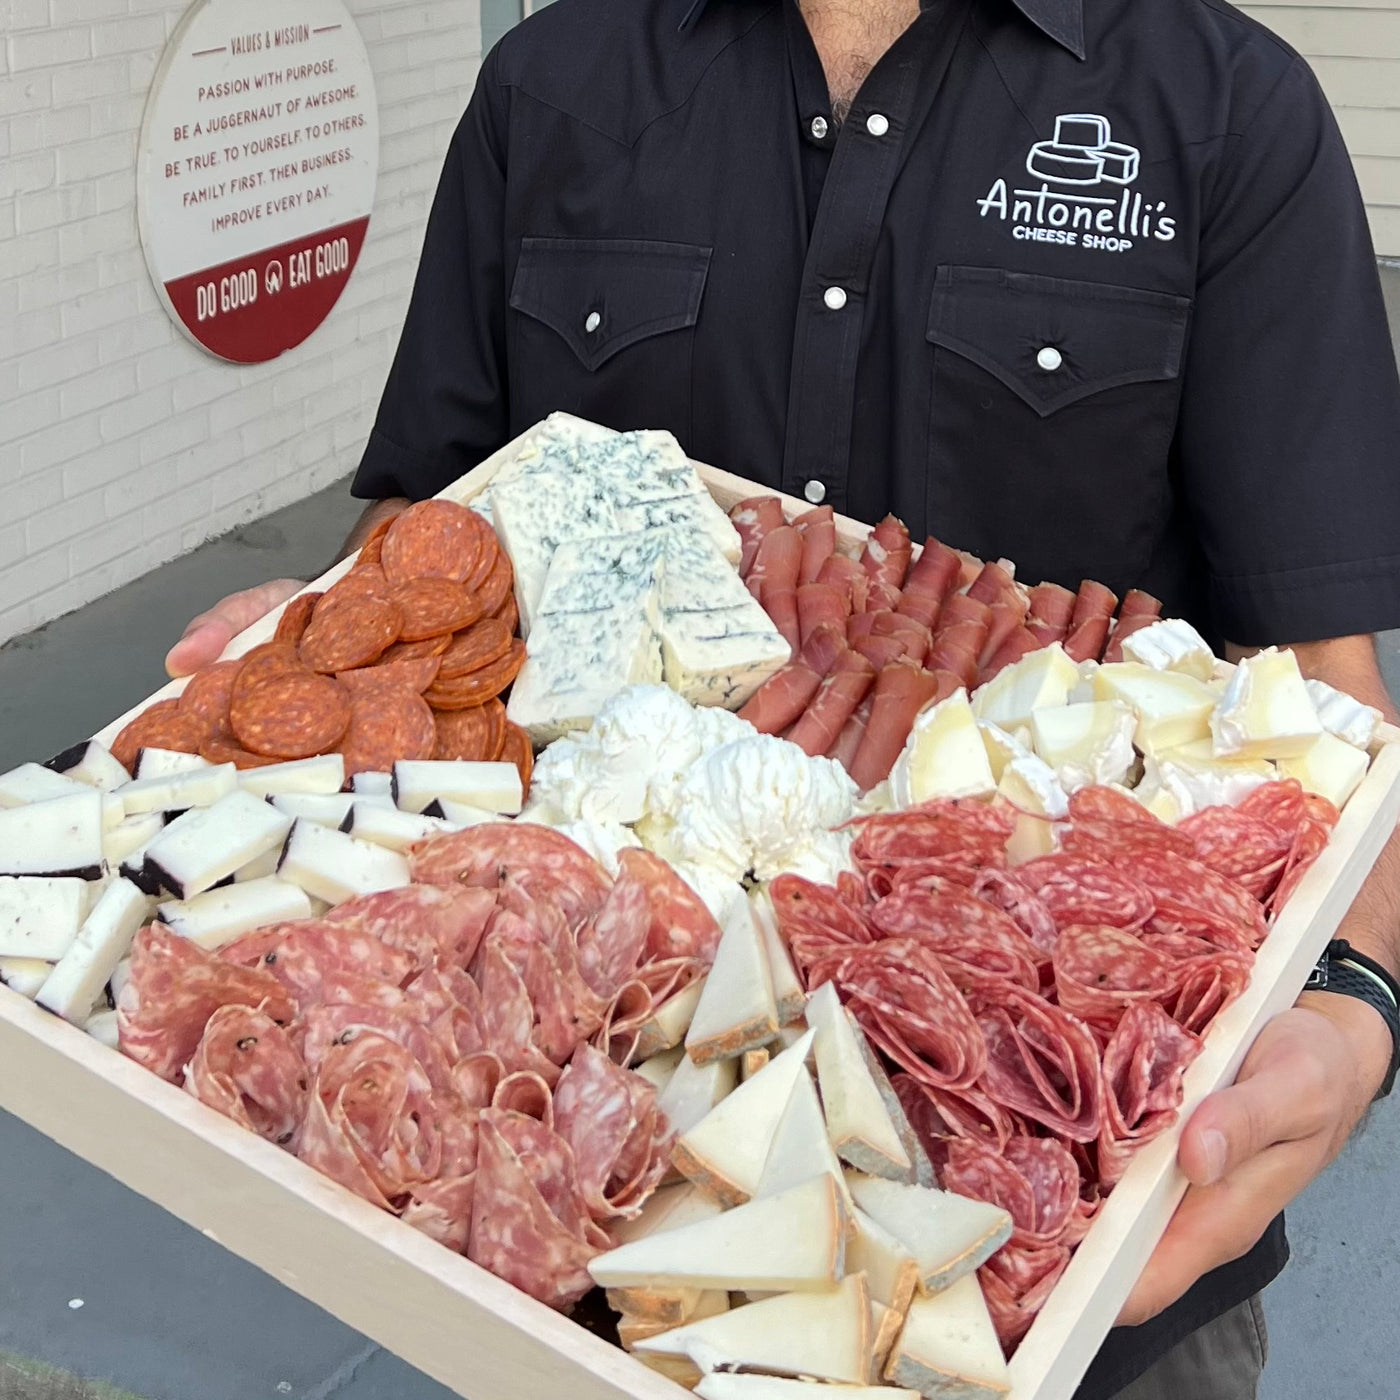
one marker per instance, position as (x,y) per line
(1343,970)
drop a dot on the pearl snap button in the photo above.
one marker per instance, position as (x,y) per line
(815,492)
(835,298)
(1049,359)
(877,124)
(593,322)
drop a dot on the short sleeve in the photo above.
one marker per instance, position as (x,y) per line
(1289,431)
(444,405)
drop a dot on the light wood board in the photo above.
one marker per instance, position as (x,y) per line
(483,1338)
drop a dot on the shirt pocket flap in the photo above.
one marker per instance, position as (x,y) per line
(1052,340)
(603,294)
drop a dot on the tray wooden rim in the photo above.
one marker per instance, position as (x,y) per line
(426,1304)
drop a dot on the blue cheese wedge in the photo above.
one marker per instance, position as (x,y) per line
(180,789)
(335,867)
(314,776)
(40,916)
(1266,711)
(1350,720)
(208,844)
(101,943)
(32,782)
(91,763)
(220,915)
(723,656)
(57,837)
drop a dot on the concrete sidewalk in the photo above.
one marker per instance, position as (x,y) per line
(165,1314)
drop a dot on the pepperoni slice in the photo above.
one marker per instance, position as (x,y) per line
(220,748)
(509,613)
(415,651)
(434,606)
(490,553)
(496,586)
(295,616)
(480,645)
(363,581)
(516,748)
(387,723)
(208,693)
(295,715)
(434,539)
(373,546)
(416,674)
(480,685)
(351,634)
(472,736)
(262,663)
(160,726)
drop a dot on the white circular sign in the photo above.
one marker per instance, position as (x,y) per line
(258,159)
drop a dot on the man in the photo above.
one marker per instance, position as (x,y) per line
(1086,283)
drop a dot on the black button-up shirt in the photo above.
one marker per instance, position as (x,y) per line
(1089,288)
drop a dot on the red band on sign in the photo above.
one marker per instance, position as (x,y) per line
(257,306)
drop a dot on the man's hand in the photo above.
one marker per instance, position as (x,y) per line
(1250,1149)
(209,633)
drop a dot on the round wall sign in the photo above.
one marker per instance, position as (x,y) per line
(259,152)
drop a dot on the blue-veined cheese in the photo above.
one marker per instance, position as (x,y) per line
(722,656)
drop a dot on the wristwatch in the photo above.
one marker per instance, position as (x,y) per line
(1343,970)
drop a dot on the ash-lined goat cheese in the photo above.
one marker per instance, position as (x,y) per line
(40,916)
(219,916)
(387,826)
(318,776)
(164,763)
(32,782)
(459,814)
(207,844)
(101,943)
(91,763)
(369,784)
(335,867)
(325,809)
(494,786)
(24,976)
(180,790)
(60,836)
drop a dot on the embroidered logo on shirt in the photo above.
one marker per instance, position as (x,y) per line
(1082,155)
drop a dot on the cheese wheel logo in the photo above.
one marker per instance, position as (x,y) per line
(258,161)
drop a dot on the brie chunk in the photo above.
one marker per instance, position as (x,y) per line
(1171,644)
(1348,719)
(1030,787)
(1172,709)
(1329,767)
(1087,744)
(944,756)
(1266,711)
(1036,682)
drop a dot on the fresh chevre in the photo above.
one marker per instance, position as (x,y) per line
(625,574)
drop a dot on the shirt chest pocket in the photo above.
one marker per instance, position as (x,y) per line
(1052,410)
(604,328)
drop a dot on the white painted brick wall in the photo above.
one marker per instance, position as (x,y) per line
(121,443)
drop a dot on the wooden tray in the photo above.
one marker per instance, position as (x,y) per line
(481,1337)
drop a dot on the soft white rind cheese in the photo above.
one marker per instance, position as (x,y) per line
(1086,744)
(1042,679)
(1171,645)
(1329,767)
(1266,711)
(1348,719)
(944,756)
(1198,778)
(1172,709)
(1029,785)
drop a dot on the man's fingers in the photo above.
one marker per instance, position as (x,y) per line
(208,634)
(1215,1224)
(1279,1098)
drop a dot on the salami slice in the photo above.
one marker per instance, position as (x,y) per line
(1193,898)
(1016,1283)
(432,607)
(1100,971)
(434,539)
(160,726)
(474,735)
(1042,1062)
(802,905)
(1247,849)
(1078,891)
(173,990)
(325,1026)
(1113,842)
(517,1231)
(295,617)
(442,1210)
(480,685)
(422,920)
(681,925)
(479,645)
(247,1068)
(350,635)
(477,1077)
(1008,891)
(1143,1065)
(526,1093)
(972,939)
(1205,985)
(302,957)
(325,1144)
(294,715)
(208,694)
(387,723)
(508,1014)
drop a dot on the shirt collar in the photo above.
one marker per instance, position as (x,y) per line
(1061,20)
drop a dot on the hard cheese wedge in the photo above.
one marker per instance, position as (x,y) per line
(693,1090)
(788,995)
(199,849)
(794,1241)
(949,1236)
(324,775)
(800,1148)
(667,1025)
(32,782)
(730,1385)
(725,1151)
(219,916)
(657,1069)
(889,1268)
(670,1208)
(102,942)
(858,1123)
(61,836)
(333,866)
(948,1349)
(632,1328)
(737,1010)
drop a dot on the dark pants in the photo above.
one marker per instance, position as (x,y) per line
(1221,1361)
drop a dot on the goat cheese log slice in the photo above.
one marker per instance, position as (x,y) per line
(204,846)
